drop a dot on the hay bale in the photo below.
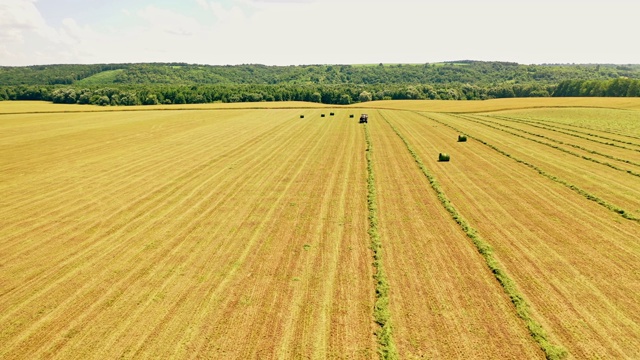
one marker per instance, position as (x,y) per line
(321,115)
(462,138)
(301,116)
(351,116)
(331,114)
(444,157)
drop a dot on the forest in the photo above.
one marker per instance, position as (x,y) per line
(180,83)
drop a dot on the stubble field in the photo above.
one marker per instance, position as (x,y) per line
(228,231)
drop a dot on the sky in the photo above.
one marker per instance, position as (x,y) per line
(297,32)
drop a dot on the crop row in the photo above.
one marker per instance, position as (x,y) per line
(563,143)
(381,312)
(540,171)
(502,128)
(552,351)
(583,137)
(546,123)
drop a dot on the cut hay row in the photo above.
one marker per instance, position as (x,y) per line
(503,128)
(381,312)
(444,301)
(228,248)
(610,122)
(574,260)
(11,108)
(106,175)
(553,126)
(448,106)
(497,120)
(587,138)
(118,235)
(99,186)
(551,350)
(622,212)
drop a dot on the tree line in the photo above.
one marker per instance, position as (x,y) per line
(327,94)
(620,87)
(179,83)
(479,73)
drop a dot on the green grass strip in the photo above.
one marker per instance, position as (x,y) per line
(536,331)
(503,127)
(381,312)
(575,188)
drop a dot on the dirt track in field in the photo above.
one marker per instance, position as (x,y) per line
(444,301)
(234,234)
(575,261)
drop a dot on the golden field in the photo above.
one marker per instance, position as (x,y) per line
(244,231)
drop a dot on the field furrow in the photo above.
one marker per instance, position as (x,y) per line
(444,301)
(575,262)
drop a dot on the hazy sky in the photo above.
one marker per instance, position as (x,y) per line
(292,32)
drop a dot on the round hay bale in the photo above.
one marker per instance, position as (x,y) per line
(301,116)
(351,116)
(462,138)
(321,115)
(331,114)
(444,157)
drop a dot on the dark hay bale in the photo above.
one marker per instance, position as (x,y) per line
(462,138)
(301,116)
(444,157)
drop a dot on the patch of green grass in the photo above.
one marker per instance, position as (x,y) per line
(105,77)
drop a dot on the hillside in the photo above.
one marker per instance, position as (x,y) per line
(461,72)
(179,83)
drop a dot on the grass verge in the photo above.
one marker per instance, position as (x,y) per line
(536,330)
(381,312)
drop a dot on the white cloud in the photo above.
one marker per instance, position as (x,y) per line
(17,17)
(169,21)
(324,31)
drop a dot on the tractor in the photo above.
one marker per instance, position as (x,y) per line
(364,118)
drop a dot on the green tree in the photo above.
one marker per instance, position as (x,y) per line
(345,99)
(316,97)
(365,96)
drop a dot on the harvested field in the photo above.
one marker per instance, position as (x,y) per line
(444,301)
(144,236)
(495,105)
(575,261)
(613,184)
(609,120)
(246,231)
